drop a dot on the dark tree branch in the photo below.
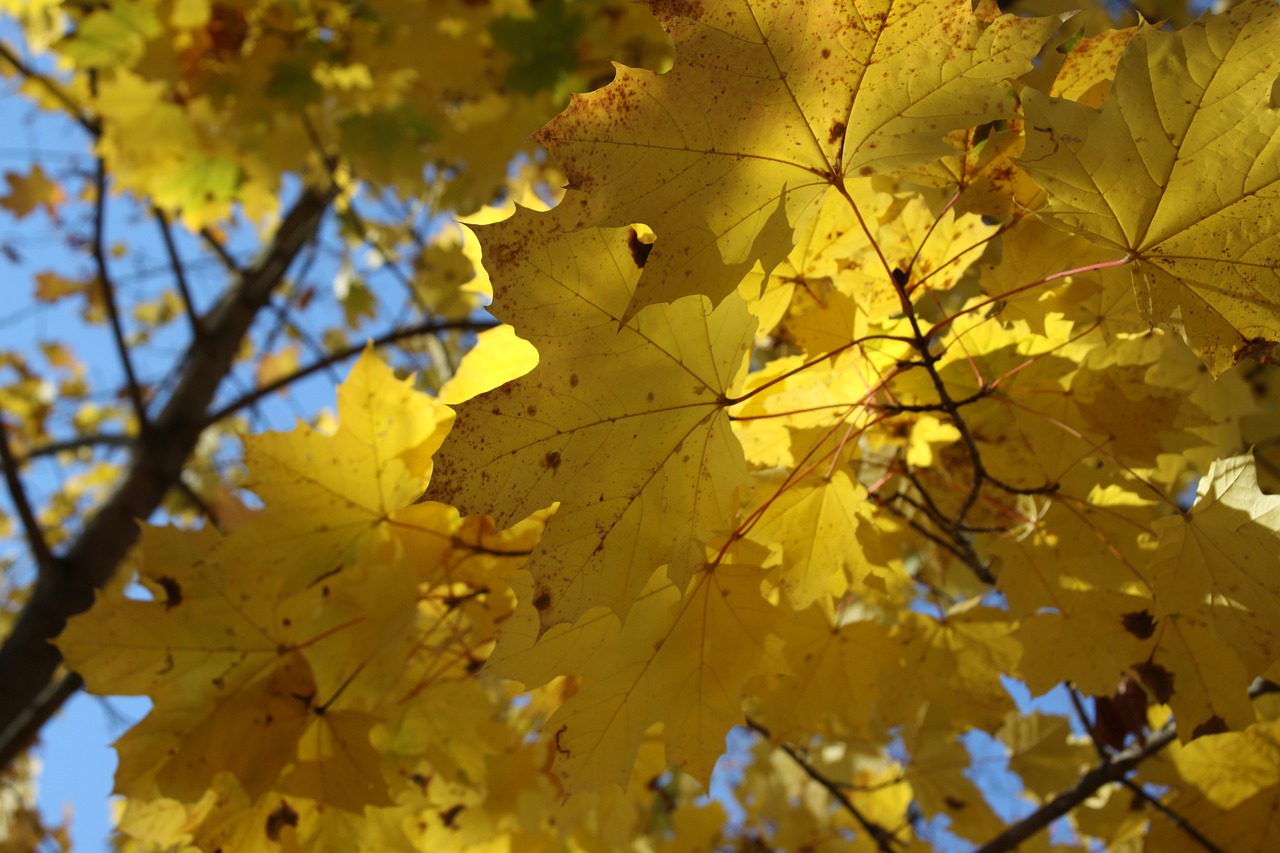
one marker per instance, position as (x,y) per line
(179,273)
(427,328)
(220,250)
(885,840)
(28,661)
(45,561)
(25,727)
(1136,789)
(85,120)
(1115,768)
(1110,771)
(55,447)
(109,298)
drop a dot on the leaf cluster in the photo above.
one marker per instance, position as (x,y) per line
(875,363)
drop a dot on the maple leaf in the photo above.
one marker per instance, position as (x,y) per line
(816,526)
(275,652)
(1044,752)
(27,192)
(767,110)
(679,660)
(825,666)
(1229,787)
(1182,178)
(626,429)
(1215,575)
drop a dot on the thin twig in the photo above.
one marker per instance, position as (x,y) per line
(884,839)
(220,250)
(427,328)
(1117,768)
(47,83)
(109,298)
(56,447)
(179,273)
(45,560)
(199,503)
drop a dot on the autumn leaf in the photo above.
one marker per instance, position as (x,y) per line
(1229,787)
(679,660)
(766,112)
(27,192)
(1151,175)
(626,429)
(815,524)
(820,420)
(1215,572)
(278,652)
(1044,752)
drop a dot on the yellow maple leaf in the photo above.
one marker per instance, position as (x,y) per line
(283,654)
(498,357)
(815,522)
(1197,675)
(1217,572)
(1043,753)
(1230,791)
(626,429)
(827,665)
(1110,632)
(679,660)
(1086,73)
(954,662)
(936,773)
(1155,175)
(32,190)
(767,110)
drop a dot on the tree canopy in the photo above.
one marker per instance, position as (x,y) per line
(727,440)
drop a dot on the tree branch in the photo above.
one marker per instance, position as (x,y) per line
(109,297)
(44,558)
(82,118)
(427,328)
(1113,770)
(884,839)
(104,439)
(179,273)
(28,661)
(1138,790)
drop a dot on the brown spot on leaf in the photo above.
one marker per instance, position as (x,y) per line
(552,460)
(542,602)
(866,171)
(448,816)
(1157,679)
(836,132)
(279,819)
(1121,714)
(1215,725)
(1260,350)
(172,592)
(667,9)
(826,53)
(1139,623)
(573,380)
(954,803)
(639,249)
(559,748)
